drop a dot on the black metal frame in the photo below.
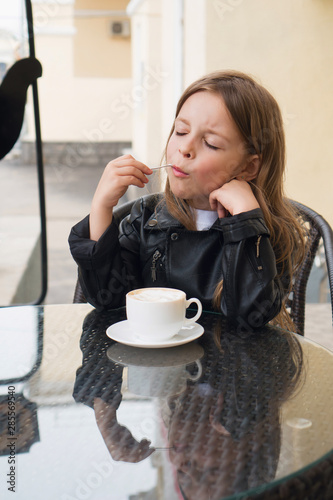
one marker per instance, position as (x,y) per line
(40,165)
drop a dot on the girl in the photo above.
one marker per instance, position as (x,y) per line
(222,231)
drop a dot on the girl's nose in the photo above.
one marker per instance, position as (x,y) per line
(186,147)
(187,150)
(184,152)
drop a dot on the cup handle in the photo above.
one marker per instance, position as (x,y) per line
(190,321)
(198,375)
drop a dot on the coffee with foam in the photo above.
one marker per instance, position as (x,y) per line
(156,295)
(158,313)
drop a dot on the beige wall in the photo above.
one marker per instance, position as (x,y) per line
(77,108)
(149,75)
(157,68)
(93,37)
(195,40)
(101,4)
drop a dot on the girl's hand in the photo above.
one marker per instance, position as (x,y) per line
(123,447)
(118,439)
(234,197)
(118,175)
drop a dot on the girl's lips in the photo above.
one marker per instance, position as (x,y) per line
(178,172)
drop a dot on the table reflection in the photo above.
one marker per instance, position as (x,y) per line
(218,401)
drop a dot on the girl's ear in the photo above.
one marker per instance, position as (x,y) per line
(250,169)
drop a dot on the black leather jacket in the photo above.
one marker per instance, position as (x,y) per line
(151,248)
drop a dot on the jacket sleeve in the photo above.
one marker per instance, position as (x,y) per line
(252,292)
(106,270)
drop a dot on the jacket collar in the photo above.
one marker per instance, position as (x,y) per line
(161,219)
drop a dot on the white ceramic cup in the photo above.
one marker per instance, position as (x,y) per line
(159,313)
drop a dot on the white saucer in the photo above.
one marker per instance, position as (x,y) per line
(122,333)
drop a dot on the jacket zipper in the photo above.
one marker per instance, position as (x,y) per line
(156,256)
(258,252)
(257,245)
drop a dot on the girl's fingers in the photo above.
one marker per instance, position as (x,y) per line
(132,180)
(129,168)
(217,206)
(221,211)
(132,173)
(118,175)
(234,197)
(129,161)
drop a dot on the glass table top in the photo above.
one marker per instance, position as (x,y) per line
(85,417)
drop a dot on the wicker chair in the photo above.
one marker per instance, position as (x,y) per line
(318,228)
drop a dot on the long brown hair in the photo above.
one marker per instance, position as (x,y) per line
(258,118)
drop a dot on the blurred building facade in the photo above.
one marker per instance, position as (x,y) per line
(86,61)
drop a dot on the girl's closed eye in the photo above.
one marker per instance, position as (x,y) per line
(210,146)
(180,133)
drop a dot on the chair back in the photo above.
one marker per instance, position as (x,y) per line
(318,228)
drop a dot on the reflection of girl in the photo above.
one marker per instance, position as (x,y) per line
(98,385)
(225,233)
(224,431)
